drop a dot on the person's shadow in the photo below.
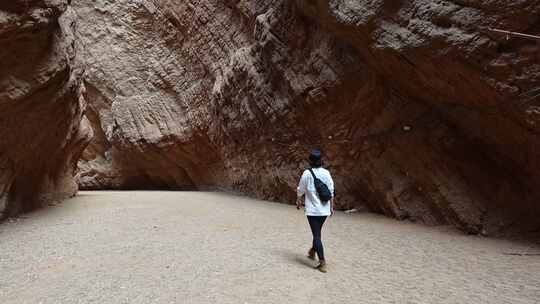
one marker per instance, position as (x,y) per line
(295,257)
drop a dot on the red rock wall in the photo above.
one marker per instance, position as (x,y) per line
(420,110)
(42,129)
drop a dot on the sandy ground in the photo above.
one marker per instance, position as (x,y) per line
(197,247)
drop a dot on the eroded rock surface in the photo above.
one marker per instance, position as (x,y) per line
(42,127)
(422,112)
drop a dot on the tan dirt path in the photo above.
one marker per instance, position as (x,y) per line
(204,247)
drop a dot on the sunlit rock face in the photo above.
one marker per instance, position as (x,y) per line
(42,128)
(421,111)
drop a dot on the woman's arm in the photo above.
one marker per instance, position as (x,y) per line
(299,202)
(333,199)
(301,191)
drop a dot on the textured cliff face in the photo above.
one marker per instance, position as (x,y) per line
(443,55)
(419,109)
(42,130)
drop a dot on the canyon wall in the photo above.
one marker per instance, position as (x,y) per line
(42,128)
(422,112)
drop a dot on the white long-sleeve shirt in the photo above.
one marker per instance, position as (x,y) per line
(306,186)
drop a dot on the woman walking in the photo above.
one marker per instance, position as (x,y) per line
(316,209)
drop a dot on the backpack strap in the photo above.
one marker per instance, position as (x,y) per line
(313,174)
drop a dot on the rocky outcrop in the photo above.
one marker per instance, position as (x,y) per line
(478,82)
(422,112)
(42,129)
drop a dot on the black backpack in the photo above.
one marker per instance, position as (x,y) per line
(322,189)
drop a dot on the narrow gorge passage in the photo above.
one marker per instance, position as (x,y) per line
(426,112)
(203,247)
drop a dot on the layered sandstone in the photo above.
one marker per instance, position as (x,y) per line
(42,129)
(422,112)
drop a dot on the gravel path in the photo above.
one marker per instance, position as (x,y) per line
(200,247)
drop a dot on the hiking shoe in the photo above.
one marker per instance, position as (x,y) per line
(321,267)
(311,254)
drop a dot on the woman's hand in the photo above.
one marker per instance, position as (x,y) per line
(299,202)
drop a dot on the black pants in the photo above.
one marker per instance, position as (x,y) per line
(316,223)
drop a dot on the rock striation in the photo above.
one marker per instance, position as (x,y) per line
(423,113)
(42,128)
